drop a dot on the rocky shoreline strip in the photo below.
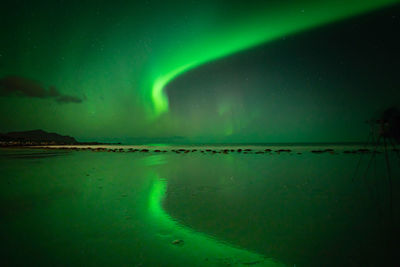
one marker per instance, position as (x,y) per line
(211,151)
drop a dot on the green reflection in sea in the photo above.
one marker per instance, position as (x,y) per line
(99,209)
(195,245)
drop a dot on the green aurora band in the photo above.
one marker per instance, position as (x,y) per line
(247,32)
(127,61)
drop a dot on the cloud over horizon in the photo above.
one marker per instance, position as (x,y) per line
(13,85)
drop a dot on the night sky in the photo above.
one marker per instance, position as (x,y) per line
(199,71)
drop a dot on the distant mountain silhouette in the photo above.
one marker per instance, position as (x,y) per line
(37,136)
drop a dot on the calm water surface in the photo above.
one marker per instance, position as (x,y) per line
(62,207)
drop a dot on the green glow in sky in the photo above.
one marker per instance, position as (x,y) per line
(268,25)
(159,98)
(199,71)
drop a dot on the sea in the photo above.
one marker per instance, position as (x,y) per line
(199,205)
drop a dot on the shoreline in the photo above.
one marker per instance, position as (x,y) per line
(216,149)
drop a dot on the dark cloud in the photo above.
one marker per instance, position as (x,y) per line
(68,99)
(24,87)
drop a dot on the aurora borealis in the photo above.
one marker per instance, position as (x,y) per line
(257,29)
(203,71)
(237,130)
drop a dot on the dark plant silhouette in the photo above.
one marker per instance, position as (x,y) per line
(384,136)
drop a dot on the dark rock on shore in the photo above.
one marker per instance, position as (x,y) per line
(363,150)
(283,150)
(317,151)
(178,242)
